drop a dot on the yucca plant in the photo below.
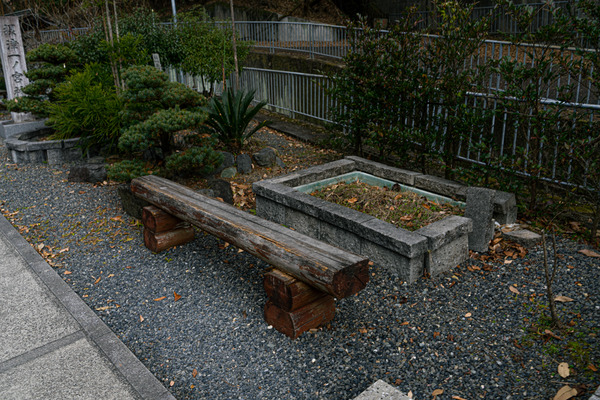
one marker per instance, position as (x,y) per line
(230,116)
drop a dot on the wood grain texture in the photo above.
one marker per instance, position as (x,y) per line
(287,292)
(158,221)
(158,242)
(328,268)
(294,323)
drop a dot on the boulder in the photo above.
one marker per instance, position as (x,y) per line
(244,164)
(265,157)
(221,189)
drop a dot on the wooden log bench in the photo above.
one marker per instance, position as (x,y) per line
(308,274)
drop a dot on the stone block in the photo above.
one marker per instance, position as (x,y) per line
(480,209)
(381,391)
(385,171)
(319,172)
(270,210)
(407,269)
(339,237)
(55,157)
(10,129)
(448,256)
(406,243)
(302,223)
(342,217)
(505,208)
(524,237)
(445,231)
(439,185)
(222,189)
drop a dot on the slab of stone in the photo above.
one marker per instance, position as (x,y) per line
(10,129)
(316,173)
(445,231)
(524,237)
(74,371)
(439,185)
(244,164)
(480,209)
(385,171)
(380,390)
(35,318)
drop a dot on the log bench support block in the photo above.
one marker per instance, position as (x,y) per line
(163,230)
(295,307)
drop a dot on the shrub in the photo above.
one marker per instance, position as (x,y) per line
(50,64)
(230,116)
(194,161)
(87,106)
(126,170)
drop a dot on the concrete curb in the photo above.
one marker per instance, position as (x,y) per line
(124,362)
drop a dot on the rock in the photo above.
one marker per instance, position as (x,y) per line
(265,157)
(229,172)
(206,192)
(131,204)
(280,163)
(94,171)
(524,237)
(244,164)
(480,208)
(228,161)
(221,189)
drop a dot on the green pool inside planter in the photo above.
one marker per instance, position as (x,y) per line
(374,181)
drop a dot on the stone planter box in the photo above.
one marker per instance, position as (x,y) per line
(27,148)
(434,248)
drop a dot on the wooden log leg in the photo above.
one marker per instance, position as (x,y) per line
(294,323)
(158,242)
(295,307)
(158,220)
(287,292)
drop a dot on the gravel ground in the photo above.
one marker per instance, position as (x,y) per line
(464,332)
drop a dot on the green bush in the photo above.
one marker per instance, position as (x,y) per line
(230,116)
(126,170)
(50,64)
(87,106)
(194,161)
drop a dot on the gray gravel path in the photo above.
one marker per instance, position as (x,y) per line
(213,343)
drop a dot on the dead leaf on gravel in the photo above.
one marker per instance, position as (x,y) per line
(552,334)
(566,392)
(194,373)
(457,398)
(409,394)
(176,296)
(67,272)
(563,299)
(563,370)
(103,308)
(589,253)
(436,393)
(160,298)
(514,290)
(592,367)
(141,318)
(468,315)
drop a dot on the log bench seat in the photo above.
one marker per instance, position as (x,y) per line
(308,274)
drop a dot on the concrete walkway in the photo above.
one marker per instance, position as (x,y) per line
(52,345)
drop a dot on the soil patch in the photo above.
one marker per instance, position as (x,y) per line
(402,208)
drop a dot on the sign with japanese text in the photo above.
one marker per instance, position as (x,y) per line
(13,56)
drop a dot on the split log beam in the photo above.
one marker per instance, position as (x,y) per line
(328,268)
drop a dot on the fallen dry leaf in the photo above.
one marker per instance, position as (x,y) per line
(565,393)
(362,330)
(436,393)
(563,370)
(97,280)
(67,272)
(589,253)
(141,318)
(409,394)
(352,200)
(563,299)
(176,296)
(458,398)
(514,289)
(552,334)
(194,373)
(103,308)
(171,383)
(592,367)
(160,298)
(468,315)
